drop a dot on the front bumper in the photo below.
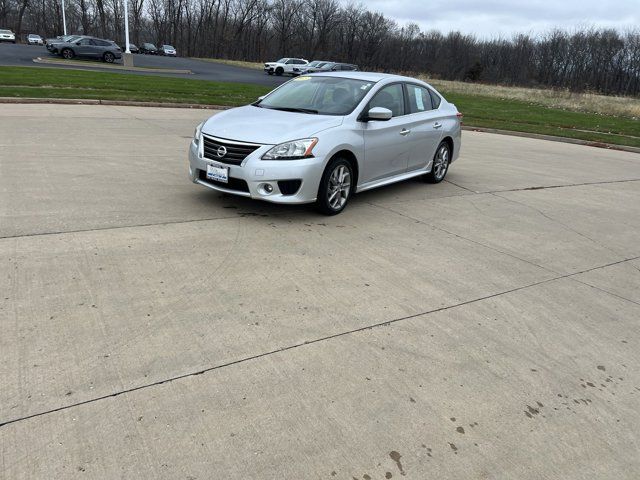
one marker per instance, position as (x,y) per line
(257,173)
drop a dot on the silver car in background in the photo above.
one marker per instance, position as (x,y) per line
(320,138)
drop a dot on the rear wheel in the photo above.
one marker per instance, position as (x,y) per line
(335,187)
(109,57)
(440,165)
(279,71)
(67,53)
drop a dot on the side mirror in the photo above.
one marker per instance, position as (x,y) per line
(379,113)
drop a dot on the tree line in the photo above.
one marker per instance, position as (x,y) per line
(599,60)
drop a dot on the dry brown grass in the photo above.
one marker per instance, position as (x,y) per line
(561,99)
(235,63)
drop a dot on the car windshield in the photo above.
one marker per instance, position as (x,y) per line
(282,60)
(5,31)
(315,64)
(168,47)
(317,95)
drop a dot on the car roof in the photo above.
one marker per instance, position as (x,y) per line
(368,76)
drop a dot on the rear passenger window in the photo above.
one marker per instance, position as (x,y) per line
(435,99)
(419,99)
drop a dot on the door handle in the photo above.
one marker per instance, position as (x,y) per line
(437,125)
(404,132)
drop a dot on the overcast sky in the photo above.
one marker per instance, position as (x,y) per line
(488,18)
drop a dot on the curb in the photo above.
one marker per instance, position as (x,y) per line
(122,103)
(552,138)
(117,68)
(197,106)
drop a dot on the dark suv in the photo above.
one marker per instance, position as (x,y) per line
(87,47)
(149,49)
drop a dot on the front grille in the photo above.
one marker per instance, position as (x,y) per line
(234,183)
(236,152)
(289,187)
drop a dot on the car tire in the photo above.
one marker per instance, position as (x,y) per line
(67,54)
(440,166)
(108,57)
(279,71)
(336,186)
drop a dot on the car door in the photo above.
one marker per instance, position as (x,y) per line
(84,47)
(385,142)
(425,125)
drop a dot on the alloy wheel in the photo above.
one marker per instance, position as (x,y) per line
(441,162)
(339,187)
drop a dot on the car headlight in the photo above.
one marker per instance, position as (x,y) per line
(197,133)
(293,150)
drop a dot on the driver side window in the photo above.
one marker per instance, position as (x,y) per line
(390,97)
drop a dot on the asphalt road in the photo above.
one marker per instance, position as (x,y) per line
(23,55)
(485,327)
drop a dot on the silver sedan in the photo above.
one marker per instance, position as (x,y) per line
(323,137)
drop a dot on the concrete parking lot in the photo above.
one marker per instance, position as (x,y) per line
(485,327)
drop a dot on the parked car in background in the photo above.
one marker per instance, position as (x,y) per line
(7,36)
(132,48)
(33,39)
(299,69)
(323,137)
(329,67)
(51,42)
(87,47)
(167,50)
(149,49)
(284,65)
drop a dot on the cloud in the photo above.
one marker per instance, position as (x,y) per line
(489,18)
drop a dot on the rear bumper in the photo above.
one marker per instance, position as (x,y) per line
(250,178)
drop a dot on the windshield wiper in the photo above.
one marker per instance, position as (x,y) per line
(292,109)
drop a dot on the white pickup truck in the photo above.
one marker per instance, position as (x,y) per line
(284,65)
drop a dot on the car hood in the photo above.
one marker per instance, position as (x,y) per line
(267,126)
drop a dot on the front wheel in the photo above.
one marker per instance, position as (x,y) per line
(440,165)
(279,71)
(109,57)
(68,53)
(335,187)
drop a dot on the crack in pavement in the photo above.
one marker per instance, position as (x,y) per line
(119,227)
(571,229)
(305,343)
(585,184)
(462,237)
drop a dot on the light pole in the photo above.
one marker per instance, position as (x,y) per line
(126,27)
(127,58)
(64,19)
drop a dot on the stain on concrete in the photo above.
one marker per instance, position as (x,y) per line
(460,430)
(395,456)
